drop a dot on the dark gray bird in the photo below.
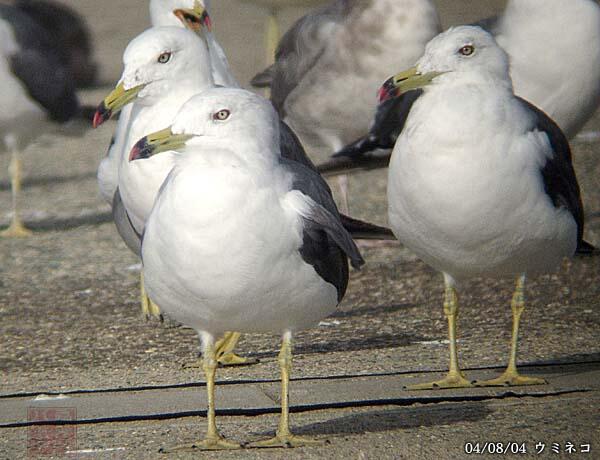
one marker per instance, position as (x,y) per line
(70,34)
(36,91)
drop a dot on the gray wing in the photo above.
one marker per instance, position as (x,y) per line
(291,147)
(558,174)
(130,236)
(326,245)
(299,50)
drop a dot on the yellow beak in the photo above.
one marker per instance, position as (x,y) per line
(157,142)
(115,101)
(405,81)
(194,18)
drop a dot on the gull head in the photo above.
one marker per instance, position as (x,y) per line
(225,117)
(459,53)
(156,62)
(192,14)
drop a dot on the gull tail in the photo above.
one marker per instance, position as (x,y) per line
(359,155)
(361,230)
(263,79)
(586,249)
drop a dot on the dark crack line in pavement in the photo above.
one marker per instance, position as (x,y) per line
(303,408)
(175,386)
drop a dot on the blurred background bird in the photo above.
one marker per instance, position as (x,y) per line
(329,64)
(554,64)
(40,66)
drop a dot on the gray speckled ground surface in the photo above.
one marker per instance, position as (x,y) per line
(69,315)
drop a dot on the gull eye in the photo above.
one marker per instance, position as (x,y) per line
(221,115)
(164,57)
(467,50)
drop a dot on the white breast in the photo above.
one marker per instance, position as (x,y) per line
(473,204)
(218,255)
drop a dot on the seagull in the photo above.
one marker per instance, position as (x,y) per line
(163,68)
(480,183)
(36,93)
(259,248)
(330,63)
(155,90)
(162,13)
(557,72)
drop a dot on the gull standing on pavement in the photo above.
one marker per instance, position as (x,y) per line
(36,92)
(239,237)
(480,182)
(163,68)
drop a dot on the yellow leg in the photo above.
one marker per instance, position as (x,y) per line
(342,180)
(271,35)
(149,308)
(454,378)
(283,435)
(213,439)
(511,376)
(224,350)
(271,40)
(16,229)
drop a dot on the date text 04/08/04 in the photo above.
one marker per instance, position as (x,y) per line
(522,448)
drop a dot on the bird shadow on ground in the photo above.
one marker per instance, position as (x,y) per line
(344,343)
(44,181)
(592,361)
(68,223)
(372,310)
(397,419)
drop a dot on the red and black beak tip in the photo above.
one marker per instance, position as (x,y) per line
(205,19)
(192,21)
(141,150)
(388,90)
(102,114)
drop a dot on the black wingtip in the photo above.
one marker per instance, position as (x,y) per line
(355,149)
(345,164)
(361,230)
(586,249)
(357,261)
(262,79)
